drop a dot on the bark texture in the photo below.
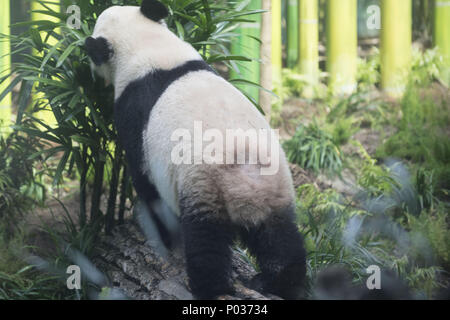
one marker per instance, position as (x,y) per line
(135,268)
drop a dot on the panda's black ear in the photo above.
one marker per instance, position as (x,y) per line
(99,50)
(154,10)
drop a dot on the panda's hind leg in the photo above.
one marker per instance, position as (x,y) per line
(207,237)
(278,247)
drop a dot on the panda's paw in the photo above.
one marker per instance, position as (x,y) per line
(257,283)
(287,284)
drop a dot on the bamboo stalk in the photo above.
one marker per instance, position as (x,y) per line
(342,39)
(248,47)
(395,47)
(5,67)
(308,63)
(276,43)
(265,98)
(292,33)
(46,116)
(442,35)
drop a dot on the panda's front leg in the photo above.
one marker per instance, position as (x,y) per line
(207,240)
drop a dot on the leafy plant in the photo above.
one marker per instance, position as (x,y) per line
(368,71)
(330,227)
(375,180)
(313,148)
(19,280)
(425,188)
(343,129)
(433,225)
(425,66)
(422,136)
(294,84)
(19,181)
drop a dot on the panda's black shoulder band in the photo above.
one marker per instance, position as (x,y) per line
(132,111)
(157,81)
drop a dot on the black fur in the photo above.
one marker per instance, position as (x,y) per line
(131,114)
(154,10)
(99,50)
(207,250)
(278,247)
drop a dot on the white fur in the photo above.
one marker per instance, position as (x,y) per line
(249,196)
(140,45)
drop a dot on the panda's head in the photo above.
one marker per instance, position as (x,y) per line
(129,41)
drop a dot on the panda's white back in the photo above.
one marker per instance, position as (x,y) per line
(206,98)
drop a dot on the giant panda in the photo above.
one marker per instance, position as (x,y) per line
(162,86)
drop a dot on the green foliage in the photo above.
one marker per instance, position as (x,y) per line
(374,179)
(294,84)
(433,225)
(313,148)
(364,109)
(26,284)
(422,135)
(19,180)
(424,280)
(18,279)
(425,66)
(337,232)
(330,227)
(209,28)
(425,188)
(343,129)
(368,71)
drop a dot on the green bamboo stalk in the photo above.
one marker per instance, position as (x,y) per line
(276,43)
(309,43)
(45,115)
(442,35)
(395,48)
(247,46)
(342,41)
(5,67)
(292,33)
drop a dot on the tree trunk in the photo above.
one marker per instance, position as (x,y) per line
(139,272)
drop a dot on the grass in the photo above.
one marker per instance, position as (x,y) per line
(313,148)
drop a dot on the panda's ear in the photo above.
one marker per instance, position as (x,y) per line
(154,10)
(99,50)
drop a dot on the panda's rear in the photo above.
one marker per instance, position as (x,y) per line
(170,108)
